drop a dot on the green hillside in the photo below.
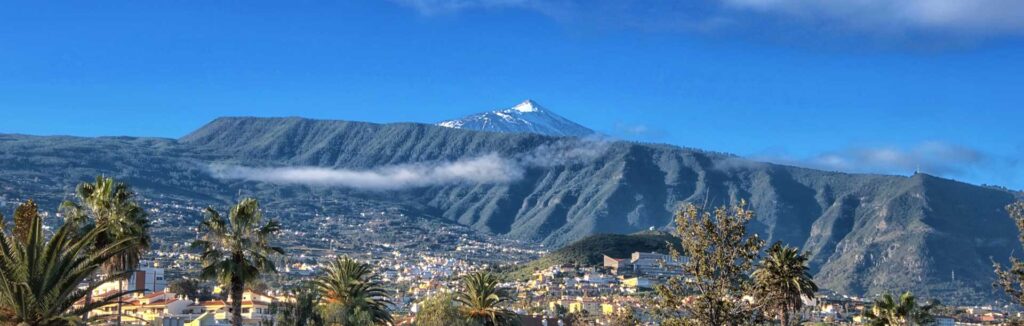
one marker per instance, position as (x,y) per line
(591,250)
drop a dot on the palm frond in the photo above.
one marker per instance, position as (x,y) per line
(350,286)
(40,278)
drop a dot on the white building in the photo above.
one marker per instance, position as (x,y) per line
(147,278)
(655,264)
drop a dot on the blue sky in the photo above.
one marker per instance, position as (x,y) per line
(862,85)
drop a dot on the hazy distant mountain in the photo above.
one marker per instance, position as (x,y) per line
(864,233)
(527,116)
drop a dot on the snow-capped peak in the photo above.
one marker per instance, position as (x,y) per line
(527,106)
(527,116)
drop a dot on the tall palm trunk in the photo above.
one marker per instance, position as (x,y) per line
(785,316)
(237,288)
(88,301)
(120,289)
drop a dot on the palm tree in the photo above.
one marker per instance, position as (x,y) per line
(302,312)
(114,210)
(112,205)
(482,300)
(237,251)
(39,279)
(351,288)
(782,279)
(887,311)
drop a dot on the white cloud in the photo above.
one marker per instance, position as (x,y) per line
(639,132)
(484,169)
(564,151)
(930,157)
(487,169)
(941,18)
(635,130)
(887,16)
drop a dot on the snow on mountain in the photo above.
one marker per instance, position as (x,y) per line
(527,116)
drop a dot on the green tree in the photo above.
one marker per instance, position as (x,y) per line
(440,310)
(483,301)
(624,317)
(190,288)
(351,289)
(110,206)
(336,315)
(888,311)
(39,278)
(782,279)
(578,317)
(1011,279)
(561,311)
(719,259)
(302,312)
(238,250)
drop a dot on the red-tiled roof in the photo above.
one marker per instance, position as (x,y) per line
(160,302)
(213,303)
(154,294)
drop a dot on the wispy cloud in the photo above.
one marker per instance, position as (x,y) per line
(885,16)
(435,7)
(940,19)
(937,158)
(486,169)
(697,15)
(639,132)
(932,157)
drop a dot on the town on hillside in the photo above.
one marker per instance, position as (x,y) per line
(98,253)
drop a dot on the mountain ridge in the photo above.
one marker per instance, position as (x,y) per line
(864,233)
